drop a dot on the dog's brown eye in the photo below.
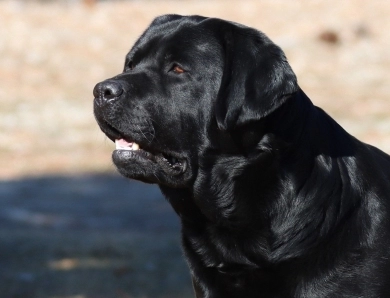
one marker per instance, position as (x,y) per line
(177,69)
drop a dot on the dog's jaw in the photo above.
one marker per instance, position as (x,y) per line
(135,161)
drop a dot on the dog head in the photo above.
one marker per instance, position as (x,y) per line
(192,96)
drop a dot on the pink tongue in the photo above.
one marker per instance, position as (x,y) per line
(123,143)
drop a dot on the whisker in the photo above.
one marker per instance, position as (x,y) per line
(152,132)
(140,130)
(156,177)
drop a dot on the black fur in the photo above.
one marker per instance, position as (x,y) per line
(274,197)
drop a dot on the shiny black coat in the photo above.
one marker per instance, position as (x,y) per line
(274,197)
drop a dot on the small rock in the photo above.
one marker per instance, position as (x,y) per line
(362,31)
(329,36)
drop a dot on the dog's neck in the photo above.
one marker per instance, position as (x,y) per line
(310,204)
(285,197)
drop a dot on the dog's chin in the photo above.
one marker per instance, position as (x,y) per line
(146,167)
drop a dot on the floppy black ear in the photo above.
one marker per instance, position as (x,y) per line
(257,78)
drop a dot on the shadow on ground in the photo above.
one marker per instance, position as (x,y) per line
(92,236)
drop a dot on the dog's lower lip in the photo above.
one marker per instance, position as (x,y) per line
(172,168)
(139,154)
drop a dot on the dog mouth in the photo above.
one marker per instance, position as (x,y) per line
(169,163)
(141,159)
(140,155)
(122,144)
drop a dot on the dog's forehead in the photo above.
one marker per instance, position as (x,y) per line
(177,36)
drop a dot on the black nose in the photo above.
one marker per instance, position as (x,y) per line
(107,90)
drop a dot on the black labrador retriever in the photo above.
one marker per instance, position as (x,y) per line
(274,197)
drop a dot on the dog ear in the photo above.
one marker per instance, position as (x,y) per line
(256,80)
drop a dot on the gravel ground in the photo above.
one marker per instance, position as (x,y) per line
(68,233)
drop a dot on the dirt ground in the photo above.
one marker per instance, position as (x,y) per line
(52,54)
(60,237)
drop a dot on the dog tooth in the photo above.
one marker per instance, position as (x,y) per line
(123,145)
(135,146)
(117,144)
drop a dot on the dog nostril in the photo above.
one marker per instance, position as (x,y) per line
(107,90)
(108,93)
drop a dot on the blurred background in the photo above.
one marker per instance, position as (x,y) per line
(70,226)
